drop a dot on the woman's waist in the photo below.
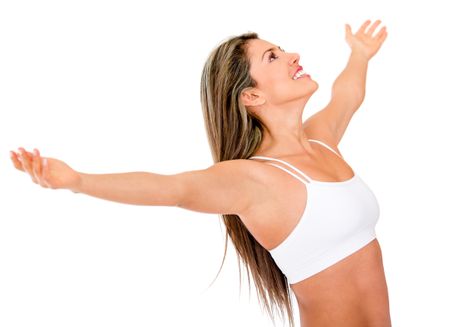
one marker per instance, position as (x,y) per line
(351,279)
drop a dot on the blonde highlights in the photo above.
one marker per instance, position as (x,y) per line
(234,133)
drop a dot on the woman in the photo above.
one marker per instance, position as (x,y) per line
(299,217)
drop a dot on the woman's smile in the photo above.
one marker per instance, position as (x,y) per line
(300,73)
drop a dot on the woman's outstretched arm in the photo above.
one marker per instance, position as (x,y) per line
(225,187)
(350,85)
(222,188)
(349,88)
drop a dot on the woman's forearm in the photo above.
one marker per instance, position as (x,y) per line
(138,188)
(352,81)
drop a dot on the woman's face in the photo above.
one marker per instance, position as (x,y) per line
(274,70)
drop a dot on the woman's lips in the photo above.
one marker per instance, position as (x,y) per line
(304,74)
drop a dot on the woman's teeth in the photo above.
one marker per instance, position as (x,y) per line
(299,74)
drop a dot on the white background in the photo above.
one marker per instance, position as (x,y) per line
(113,86)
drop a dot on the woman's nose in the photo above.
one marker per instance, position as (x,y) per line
(295,57)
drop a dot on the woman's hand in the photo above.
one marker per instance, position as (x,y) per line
(47,172)
(363,41)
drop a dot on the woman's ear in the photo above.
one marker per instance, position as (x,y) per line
(251,97)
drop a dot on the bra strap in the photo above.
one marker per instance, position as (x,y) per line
(287,164)
(289,172)
(325,145)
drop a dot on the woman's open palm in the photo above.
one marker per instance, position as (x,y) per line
(365,42)
(47,172)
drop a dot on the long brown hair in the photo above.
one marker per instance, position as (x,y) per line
(234,133)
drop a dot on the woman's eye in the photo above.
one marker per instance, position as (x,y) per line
(272,55)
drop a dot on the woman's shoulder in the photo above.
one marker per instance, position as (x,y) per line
(248,167)
(249,171)
(258,171)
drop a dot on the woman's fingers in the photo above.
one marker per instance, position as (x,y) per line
(23,157)
(381,35)
(27,162)
(348,28)
(38,169)
(363,27)
(15,160)
(31,163)
(373,27)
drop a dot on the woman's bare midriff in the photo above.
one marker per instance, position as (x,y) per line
(351,293)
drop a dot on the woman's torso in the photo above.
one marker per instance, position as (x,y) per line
(351,292)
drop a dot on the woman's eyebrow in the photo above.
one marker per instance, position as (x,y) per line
(271,49)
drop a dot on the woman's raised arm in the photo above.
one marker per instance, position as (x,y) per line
(227,187)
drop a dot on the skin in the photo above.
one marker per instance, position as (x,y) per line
(278,100)
(352,292)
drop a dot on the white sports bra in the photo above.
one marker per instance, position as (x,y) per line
(338,220)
